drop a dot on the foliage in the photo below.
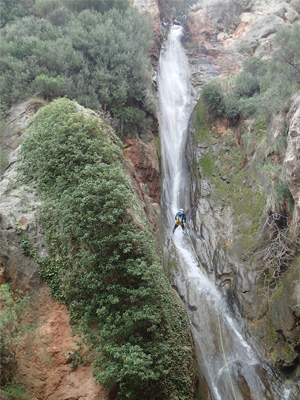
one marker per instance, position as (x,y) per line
(12,310)
(15,331)
(15,391)
(3,161)
(213,98)
(134,121)
(102,261)
(283,196)
(48,87)
(100,57)
(179,8)
(262,88)
(11,10)
(200,123)
(287,56)
(97,5)
(232,108)
(53,10)
(247,83)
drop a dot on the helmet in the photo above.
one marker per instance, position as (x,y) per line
(181,210)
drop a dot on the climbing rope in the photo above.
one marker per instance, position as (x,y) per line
(218,316)
(200,264)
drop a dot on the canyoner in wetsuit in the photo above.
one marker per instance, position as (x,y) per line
(180,219)
(175,21)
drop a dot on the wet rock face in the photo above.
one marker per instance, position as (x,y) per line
(44,365)
(223,247)
(292,162)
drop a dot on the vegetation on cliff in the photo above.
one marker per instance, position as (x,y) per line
(245,167)
(96,52)
(102,261)
(15,334)
(263,87)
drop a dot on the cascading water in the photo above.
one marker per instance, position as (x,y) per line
(229,363)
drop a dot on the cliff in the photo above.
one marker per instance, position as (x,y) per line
(233,214)
(43,360)
(246,225)
(74,246)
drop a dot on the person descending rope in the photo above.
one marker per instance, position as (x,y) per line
(175,21)
(180,219)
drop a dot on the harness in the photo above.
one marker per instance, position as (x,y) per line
(179,219)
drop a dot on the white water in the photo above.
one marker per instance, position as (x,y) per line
(212,325)
(176,105)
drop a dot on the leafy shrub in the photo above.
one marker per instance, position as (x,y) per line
(53,10)
(97,5)
(133,121)
(287,56)
(102,259)
(231,105)
(45,7)
(262,88)
(213,97)
(248,105)
(283,195)
(11,10)
(246,85)
(248,81)
(101,60)
(15,391)
(48,87)
(14,332)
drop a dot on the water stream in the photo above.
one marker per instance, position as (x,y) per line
(227,359)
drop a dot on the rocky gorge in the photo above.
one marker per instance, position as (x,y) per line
(233,212)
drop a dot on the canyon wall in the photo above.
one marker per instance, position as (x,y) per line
(219,36)
(43,360)
(233,236)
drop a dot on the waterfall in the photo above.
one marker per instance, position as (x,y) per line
(227,359)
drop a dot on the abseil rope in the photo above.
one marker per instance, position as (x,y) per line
(218,317)
(199,262)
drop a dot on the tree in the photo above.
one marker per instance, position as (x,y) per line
(11,10)
(287,56)
(101,60)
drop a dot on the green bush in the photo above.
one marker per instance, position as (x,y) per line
(287,55)
(133,121)
(48,87)
(102,261)
(283,195)
(43,8)
(11,10)
(231,105)
(246,85)
(213,98)
(14,332)
(248,81)
(248,106)
(100,59)
(97,5)
(262,88)
(15,391)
